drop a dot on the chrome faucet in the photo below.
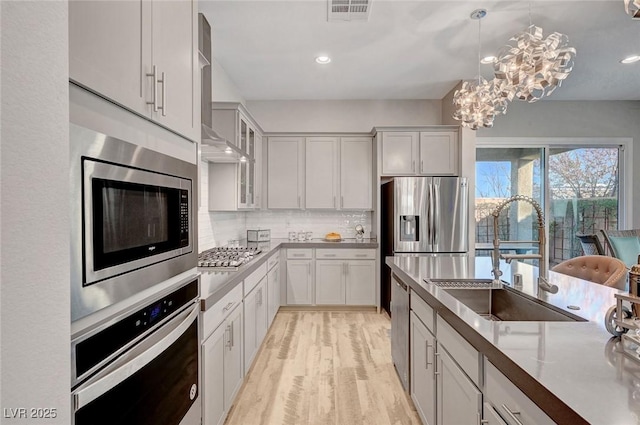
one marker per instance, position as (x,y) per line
(543,279)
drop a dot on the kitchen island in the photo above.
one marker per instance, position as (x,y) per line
(572,371)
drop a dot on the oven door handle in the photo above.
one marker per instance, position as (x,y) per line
(135,359)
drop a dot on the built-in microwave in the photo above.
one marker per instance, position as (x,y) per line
(132,219)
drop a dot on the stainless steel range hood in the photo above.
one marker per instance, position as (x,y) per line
(213,147)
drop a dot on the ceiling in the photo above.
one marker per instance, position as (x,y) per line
(411,49)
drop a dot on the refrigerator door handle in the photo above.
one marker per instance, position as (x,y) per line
(435,216)
(431,230)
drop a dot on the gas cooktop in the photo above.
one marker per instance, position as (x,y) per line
(227,258)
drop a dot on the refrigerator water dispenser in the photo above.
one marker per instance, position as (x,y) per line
(410,228)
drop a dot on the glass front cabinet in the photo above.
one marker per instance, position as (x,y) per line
(233,122)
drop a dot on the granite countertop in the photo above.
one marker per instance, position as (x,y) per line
(573,371)
(215,284)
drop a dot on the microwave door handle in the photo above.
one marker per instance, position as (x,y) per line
(136,359)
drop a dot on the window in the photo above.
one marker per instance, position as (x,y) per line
(578,187)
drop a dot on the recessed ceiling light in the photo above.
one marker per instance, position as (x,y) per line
(631,59)
(487,59)
(323,60)
(228,151)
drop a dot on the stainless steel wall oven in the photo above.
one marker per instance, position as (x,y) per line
(141,367)
(132,219)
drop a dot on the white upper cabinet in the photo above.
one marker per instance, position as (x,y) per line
(105,55)
(424,153)
(399,152)
(439,153)
(141,55)
(285,172)
(174,55)
(321,172)
(356,163)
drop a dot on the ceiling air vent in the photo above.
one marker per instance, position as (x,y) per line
(349,10)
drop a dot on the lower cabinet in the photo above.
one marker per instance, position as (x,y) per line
(361,282)
(222,368)
(255,321)
(423,372)
(453,383)
(299,280)
(458,400)
(330,282)
(512,405)
(273,293)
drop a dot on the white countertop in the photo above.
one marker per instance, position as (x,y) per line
(577,362)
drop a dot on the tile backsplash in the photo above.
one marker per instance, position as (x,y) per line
(318,222)
(217,228)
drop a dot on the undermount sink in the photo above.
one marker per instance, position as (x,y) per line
(504,304)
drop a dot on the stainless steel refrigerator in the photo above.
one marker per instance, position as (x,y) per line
(422,215)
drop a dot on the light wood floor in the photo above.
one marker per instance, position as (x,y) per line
(322,367)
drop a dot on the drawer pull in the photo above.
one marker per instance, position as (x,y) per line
(298,255)
(361,255)
(228,306)
(329,255)
(512,414)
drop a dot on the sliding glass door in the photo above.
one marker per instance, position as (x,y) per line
(577,186)
(500,174)
(583,192)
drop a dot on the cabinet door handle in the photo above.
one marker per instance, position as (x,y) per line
(480,420)
(413,165)
(511,414)
(341,201)
(422,165)
(309,268)
(164,95)
(346,269)
(233,339)
(228,307)
(435,355)
(154,76)
(227,331)
(426,354)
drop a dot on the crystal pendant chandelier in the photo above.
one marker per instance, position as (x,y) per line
(532,66)
(478,101)
(632,7)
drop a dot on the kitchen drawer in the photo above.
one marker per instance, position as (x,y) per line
(346,254)
(423,311)
(467,357)
(220,310)
(254,278)
(508,400)
(299,254)
(273,260)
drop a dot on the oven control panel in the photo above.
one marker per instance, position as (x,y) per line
(95,349)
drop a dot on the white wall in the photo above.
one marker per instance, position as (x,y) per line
(342,115)
(223,89)
(35,321)
(591,119)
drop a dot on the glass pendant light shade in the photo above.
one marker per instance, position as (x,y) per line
(632,7)
(531,67)
(478,102)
